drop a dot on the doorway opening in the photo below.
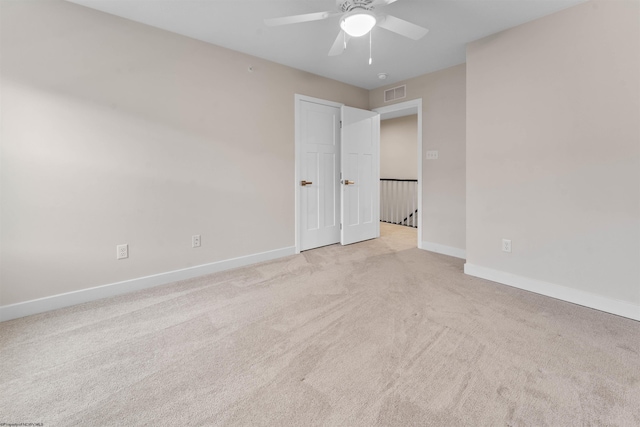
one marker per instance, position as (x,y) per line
(401,156)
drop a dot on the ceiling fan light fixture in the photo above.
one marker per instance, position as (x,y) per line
(359,23)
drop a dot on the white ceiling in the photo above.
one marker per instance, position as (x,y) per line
(238,25)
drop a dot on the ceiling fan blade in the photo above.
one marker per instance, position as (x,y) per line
(295,19)
(383,2)
(339,45)
(402,27)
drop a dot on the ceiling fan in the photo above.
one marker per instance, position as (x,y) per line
(358,18)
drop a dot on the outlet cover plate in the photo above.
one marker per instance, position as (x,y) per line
(195,241)
(432,155)
(122,251)
(506,245)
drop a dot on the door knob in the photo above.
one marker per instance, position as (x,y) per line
(303,183)
(347,182)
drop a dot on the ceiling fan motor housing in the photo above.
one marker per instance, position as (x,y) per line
(350,5)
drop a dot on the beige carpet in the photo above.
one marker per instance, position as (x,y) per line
(377,333)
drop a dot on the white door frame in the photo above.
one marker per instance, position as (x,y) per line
(405,109)
(298,151)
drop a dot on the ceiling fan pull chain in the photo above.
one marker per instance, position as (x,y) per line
(370,60)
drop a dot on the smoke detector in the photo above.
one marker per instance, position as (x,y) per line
(382,76)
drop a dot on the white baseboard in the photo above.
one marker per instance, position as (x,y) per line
(41,305)
(442,249)
(575,296)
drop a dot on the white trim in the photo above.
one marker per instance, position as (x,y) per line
(414,105)
(297,99)
(442,249)
(575,296)
(27,308)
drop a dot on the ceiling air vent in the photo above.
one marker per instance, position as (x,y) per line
(395,93)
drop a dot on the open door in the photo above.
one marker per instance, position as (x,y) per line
(360,175)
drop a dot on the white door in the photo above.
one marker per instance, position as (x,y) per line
(319,169)
(360,179)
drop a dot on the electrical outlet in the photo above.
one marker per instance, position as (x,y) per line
(195,241)
(122,251)
(432,155)
(506,245)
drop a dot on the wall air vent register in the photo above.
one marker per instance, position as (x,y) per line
(395,93)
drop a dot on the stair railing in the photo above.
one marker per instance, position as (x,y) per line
(399,201)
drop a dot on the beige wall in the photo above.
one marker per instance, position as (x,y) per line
(553,150)
(114,132)
(443,129)
(399,148)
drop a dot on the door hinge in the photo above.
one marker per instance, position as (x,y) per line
(340,226)
(340,124)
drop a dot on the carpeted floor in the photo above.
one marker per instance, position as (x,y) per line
(373,334)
